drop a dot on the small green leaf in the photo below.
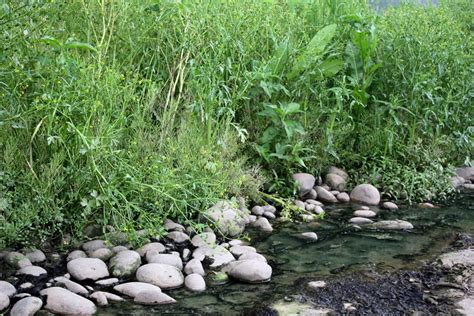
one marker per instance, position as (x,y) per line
(50,41)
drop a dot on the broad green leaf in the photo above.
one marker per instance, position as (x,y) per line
(314,50)
(268,135)
(330,67)
(290,108)
(278,62)
(354,61)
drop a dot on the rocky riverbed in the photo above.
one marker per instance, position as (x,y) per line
(108,272)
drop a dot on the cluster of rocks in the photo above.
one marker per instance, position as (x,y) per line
(100,273)
(364,216)
(464,179)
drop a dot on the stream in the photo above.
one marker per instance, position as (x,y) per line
(340,252)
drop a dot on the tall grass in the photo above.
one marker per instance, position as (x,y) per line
(134,111)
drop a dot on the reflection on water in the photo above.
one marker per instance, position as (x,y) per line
(340,249)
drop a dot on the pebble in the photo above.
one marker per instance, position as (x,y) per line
(7,288)
(103,254)
(153,298)
(203,239)
(75,255)
(36,256)
(317,284)
(252,256)
(218,255)
(157,246)
(309,236)
(390,206)
(365,213)
(107,282)
(343,197)
(177,237)
(32,270)
(27,285)
(165,258)
(92,245)
(310,207)
(263,224)
(170,226)
(360,221)
(133,288)
(26,306)
(269,208)
(112,297)
(299,204)
(324,195)
(71,286)
(100,298)
(269,215)
(240,250)
(62,301)
(186,254)
(118,249)
(314,202)
(251,271)
(87,269)
(257,210)
(162,275)
(194,266)
(125,263)
(195,282)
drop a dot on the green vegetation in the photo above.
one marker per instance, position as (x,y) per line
(123,113)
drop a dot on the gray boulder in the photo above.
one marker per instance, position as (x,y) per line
(161,275)
(305,182)
(7,288)
(325,196)
(250,271)
(177,237)
(153,298)
(227,219)
(26,306)
(365,213)
(4,301)
(390,206)
(94,245)
(133,288)
(463,257)
(157,246)
(62,301)
(87,269)
(392,225)
(103,254)
(195,282)
(365,194)
(125,263)
(237,251)
(165,258)
(339,172)
(36,256)
(252,256)
(457,181)
(263,224)
(70,285)
(343,197)
(309,236)
(75,255)
(335,182)
(170,226)
(32,270)
(204,239)
(100,298)
(257,210)
(194,266)
(466,172)
(218,255)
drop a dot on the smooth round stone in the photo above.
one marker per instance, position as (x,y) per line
(118,249)
(112,297)
(71,286)
(26,285)
(13,258)
(263,224)
(317,284)
(195,282)
(299,204)
(426,205)
(250,271)
(170,226)
(100,298)
(204,239)
(36,256)
(307,217)
(107,282)
(305,182)
(165,258)
(324,195)
(360,221)
(186,254)
(392,225)
(7,288)
(26,306)
(156,246)
(257,210)
(310,207)
(334,192)
(32,270)
(343,197)
(219,255)
(133,288)
(125,263)
(335,181)
(252,218)
(314,202)
(365,213)
(390,206)
(162,275)
(309,236)
(252,256)
(240,250)
(177,237)
(269,215)
(23,263)
(93,245)
(103,254)
(4,301)
(366,194)
(269,208)
(76,254)
(62,301)
(153,298)
(87,269)
(194,266)
(364,207)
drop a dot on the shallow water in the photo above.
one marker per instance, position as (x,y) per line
(339,250)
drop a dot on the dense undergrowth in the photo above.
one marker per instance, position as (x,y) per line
(123,113)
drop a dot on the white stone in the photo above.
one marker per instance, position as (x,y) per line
(195,282)
(162,275)
(62,301)
(26,306)
(87,269)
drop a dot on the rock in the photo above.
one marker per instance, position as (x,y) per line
(195,282)
(360,220)
(343,197)
(365,208)
(339,172)
(269,208)
(165,258)
(252,219)
(311,195)
(218,255)
(237,251)
(466,172)
(204,239)
(325,196)
(93,245)
(228,220)
(299,204)
(295,308)
(71,286)
(308,217)
(118,249)
(19,296)
(238,242)
(17,260)
(457,181)
(26,306)
(161,275)
(392,225)
(257,210)
(317,284)
(309,236)
(194,266)
(252,256)
(32,270)
(465,306)
(177,237)
(153,298)
(365,213)
(463,257)
(366,194)
(263,224)
(426,205)
(335,182)
(27,285)
(305,182)
(75,255)
(250,271)
(390,206)
(87,269)
(334,192)
(218,278)
(310,207)
(157,246)
(318,210)
(103,254)
(186,254)
(62,301)
(107,282)
(172,226)
(100,298)
(314,202)
(36,256)
(269,215)
(7,288)
(112,297)
(133,288)
(468,187)
(125,263)
(4,302)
